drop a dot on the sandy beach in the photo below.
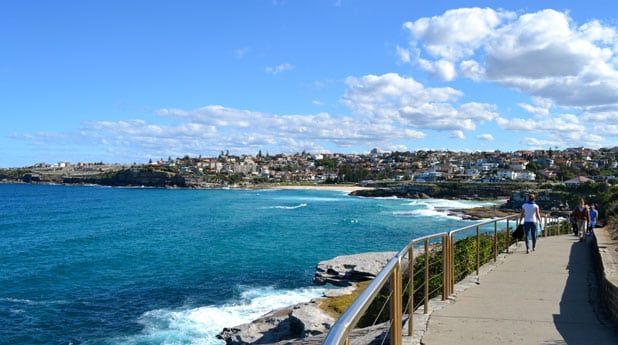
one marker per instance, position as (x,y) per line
(343,188)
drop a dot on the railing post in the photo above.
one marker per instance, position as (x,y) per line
(396,313)
(478,251)
(450,264)
(411,291)
(444,267)
(495,241)
(508,235)
(426,293)
(451,248)
(545,226)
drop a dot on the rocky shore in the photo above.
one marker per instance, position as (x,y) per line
(445,190)
(309,322)
(480,213)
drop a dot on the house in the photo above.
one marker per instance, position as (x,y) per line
(507,174)
(526,176)
(518,165)
(574,182)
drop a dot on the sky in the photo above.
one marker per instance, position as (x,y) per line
(129,81)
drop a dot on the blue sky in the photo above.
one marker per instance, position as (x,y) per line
(131,80)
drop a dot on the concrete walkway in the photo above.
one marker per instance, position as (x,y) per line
(545,297)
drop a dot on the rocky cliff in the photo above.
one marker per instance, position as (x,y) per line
(446,190)
(132,177)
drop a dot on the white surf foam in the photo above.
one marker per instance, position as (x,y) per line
(31,302)
(288,207)
(450,204)
(201,325)
(427,212)
(439,207)
(313,198)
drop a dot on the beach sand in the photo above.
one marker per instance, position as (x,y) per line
(344,188)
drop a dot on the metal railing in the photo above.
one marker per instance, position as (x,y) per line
(433,264)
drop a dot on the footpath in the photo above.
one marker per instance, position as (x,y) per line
(549,296)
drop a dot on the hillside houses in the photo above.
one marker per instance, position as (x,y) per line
(421,166)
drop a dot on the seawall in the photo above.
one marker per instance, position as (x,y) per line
(606,249)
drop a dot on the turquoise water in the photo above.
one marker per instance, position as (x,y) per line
(96,265)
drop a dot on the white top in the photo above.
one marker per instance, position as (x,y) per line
(530,212)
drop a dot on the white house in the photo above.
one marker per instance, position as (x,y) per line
(507,174)
(526,176)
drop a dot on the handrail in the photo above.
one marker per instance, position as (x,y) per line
(340,331)
(405,249)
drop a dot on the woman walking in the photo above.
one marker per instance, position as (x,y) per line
(593,215)
(531,214)
(582,217)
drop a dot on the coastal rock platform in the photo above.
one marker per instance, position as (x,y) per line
(348,269)
(295,322)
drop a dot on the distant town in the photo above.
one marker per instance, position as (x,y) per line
(577,164)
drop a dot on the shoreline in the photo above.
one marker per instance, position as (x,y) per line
(327,187)
(330,187)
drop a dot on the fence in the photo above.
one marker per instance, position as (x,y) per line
(430,265)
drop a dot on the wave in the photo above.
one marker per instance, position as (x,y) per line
(287,207)
(428,212)
(314,198)
(201,325)
(450,204)
(30,302)
(439,207)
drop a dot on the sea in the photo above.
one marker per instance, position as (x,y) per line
(102,265)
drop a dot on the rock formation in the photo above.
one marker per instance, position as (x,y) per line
(298,321)
(347,269)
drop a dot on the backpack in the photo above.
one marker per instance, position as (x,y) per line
(518,234)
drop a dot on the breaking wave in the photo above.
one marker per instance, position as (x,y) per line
(201,325)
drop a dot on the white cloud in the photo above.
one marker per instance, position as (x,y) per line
(458,134)
(279,68)
(540,143)
(539,107)
(610,130)
(609,117)
(457,33)
(391,97)
(241,52)
(485,137)
(403,54)
(442,69)
(544,53)
(563,130)
(471,69)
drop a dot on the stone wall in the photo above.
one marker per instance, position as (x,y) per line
(607,250)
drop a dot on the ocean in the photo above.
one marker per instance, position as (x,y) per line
(99,265)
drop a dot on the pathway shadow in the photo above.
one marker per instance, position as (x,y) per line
(578,322)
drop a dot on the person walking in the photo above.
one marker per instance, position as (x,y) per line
(582,217)
(530,214)
(594,215)
(573,222)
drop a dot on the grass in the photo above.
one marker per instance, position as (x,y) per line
(335,306)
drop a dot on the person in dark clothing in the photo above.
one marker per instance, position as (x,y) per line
(582,217)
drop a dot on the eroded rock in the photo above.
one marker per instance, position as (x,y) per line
(348,269)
